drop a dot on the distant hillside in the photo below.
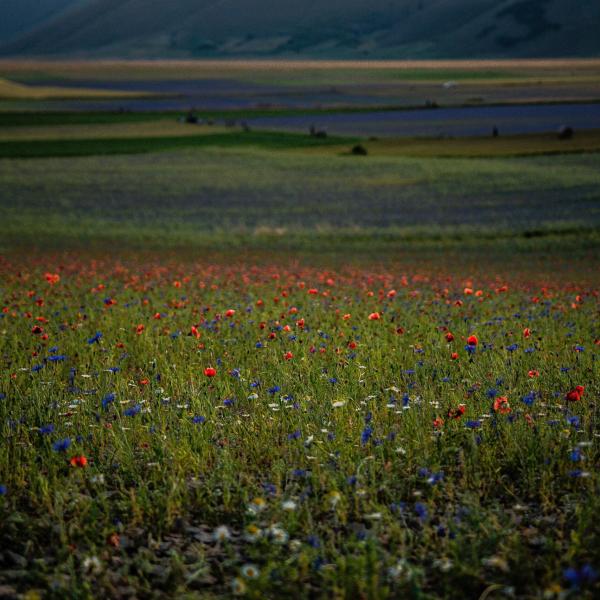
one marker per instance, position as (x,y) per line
(318,28)
(20,16)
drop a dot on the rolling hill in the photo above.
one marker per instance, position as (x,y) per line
(20,16)
(313,28)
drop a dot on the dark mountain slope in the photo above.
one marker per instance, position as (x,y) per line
(313,28)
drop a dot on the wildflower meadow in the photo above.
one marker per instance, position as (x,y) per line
(198,429)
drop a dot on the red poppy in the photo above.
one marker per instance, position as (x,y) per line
(210,371)
(288,356)
(230,313)
(374,316)
(533,373)
(79,461)
(501,405)
(458,412)
(454,356)
(472,340)
(52,278)
(140,329)
(449,337)
(526,332)
(575,394)
(438,422)
(300,323)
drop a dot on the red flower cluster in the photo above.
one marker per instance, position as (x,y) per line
(575,395)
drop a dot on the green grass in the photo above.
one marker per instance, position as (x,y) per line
(187,196)
(93,147)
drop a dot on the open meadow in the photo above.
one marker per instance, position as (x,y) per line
(241,359)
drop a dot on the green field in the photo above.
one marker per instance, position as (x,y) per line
(282,189)
(241,363)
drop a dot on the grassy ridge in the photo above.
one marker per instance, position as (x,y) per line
(144,139)
(93,147)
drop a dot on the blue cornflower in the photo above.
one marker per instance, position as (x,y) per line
(574,421)
(575,455)
(47,429)
(435,478)
(421,511)
(295,435)
(108,399)
(57,358)
(95,339)
(61,445)
(473,424)
(133,410)
(512,347)
(3,490)
(366,435)
(36,368)
(528,398)
(270,488)
(198,420)
(273,390)
(578,578)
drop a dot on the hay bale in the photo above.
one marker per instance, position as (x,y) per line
(565,132)
(359,150)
